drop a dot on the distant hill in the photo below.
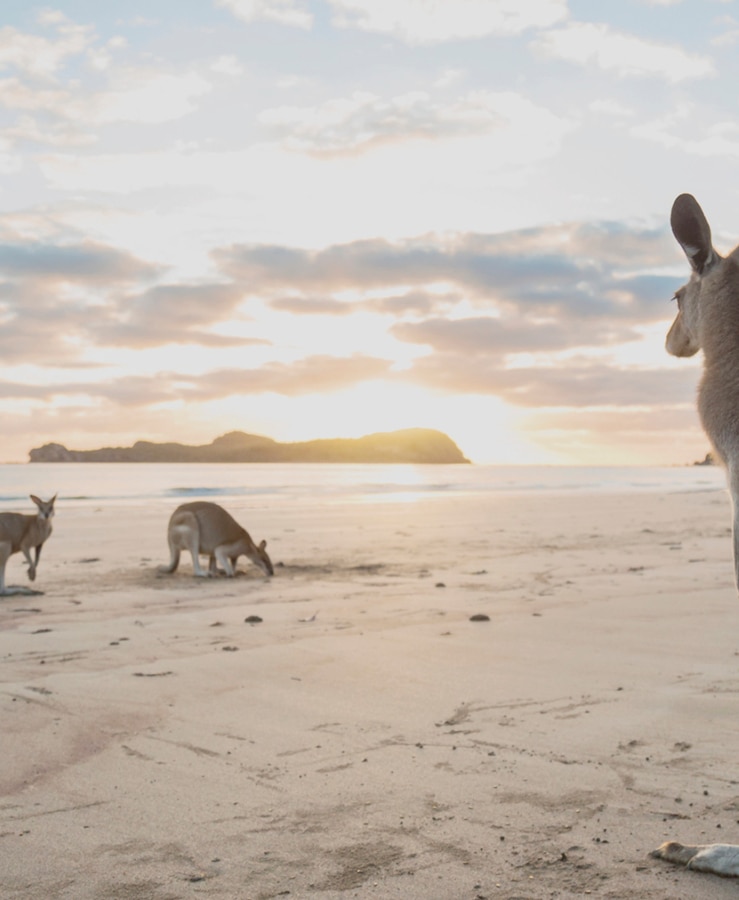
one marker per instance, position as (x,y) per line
(412,445)
(707,461)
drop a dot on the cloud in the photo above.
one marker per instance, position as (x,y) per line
(611,108)
(61,108)
(312,306)
(284,12)
(638,423)
(499,337)
(641,434)
(52,296)
(41,81)
(364,120)
(136,95)
(15,94)
(57,134)
(676,130)
(534,316)
(578,384)
(399,305)
(40,56)
(101,58)
(414,303)
(73,297)
(172,314)
(436,21)
(124,173)
(312,375)
(10,163)
(415,145)
(143,96)
(569,272)
(594,44)
(228,64)
(38,328)
(87,262)
(555,306)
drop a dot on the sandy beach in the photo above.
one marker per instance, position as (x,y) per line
(365,738)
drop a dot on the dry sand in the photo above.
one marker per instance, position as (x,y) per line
(366,739)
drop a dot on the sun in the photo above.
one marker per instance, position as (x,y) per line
(485,428)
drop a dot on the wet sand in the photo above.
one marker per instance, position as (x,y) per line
(365,738)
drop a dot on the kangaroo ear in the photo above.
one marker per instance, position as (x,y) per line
(262,545)
(693,233)
(36,500)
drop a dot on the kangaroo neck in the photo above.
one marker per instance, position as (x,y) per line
(720,319)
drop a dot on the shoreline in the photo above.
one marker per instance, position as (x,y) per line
(269,485)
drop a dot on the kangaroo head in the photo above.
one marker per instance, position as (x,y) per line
(45,507)
(693,233)
(262,559)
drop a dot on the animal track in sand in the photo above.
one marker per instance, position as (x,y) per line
(586,803)
(328,769)
(199,751)
(358,863)
(129,751)
(460,714)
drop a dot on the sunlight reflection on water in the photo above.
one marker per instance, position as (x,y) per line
(277,484)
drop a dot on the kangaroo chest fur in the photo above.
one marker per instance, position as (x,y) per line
(719,385)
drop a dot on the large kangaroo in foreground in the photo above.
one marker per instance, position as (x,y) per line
(708,320)
(23,533)
(204,527)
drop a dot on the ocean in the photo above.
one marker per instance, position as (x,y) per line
(276,484)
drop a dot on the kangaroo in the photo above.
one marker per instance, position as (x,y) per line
(708,320)
(204,527)
(22,533)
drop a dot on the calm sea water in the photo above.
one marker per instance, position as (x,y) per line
(270,485)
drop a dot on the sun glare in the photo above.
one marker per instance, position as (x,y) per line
(485,429)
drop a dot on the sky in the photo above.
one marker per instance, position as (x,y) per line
(327,218)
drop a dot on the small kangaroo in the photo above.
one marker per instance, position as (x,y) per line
(204,527)
(708,319)
(22,533)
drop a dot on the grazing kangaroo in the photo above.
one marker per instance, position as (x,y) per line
(204,527)
(708,319)
(22,533)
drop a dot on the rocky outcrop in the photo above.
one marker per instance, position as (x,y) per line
(412,445)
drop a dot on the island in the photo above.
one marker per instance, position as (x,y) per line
(410,445)
(708,460)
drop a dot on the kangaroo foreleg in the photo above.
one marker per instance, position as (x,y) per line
(213,565)
(31,563)
(224,560)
